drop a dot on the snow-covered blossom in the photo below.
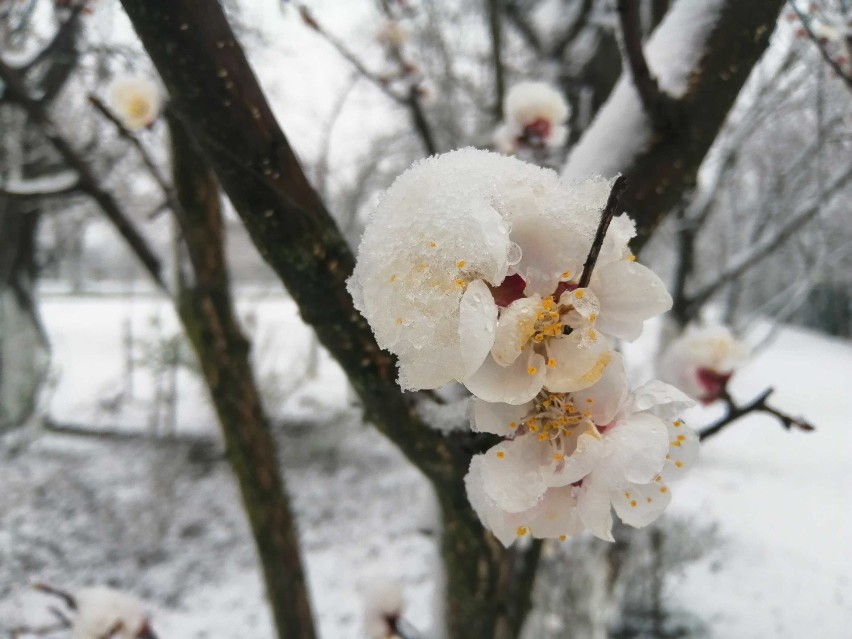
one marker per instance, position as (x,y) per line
(468,270)
(393,33)
(105,612)
(702,360)
(136,100)
(535,115)
(383,605)
(569,458)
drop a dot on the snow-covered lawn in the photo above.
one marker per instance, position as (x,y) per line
(164,520)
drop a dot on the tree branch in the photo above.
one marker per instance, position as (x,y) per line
(606,217)
(757,405)
(495,29)
(87,181)
(658,105)
(847,80)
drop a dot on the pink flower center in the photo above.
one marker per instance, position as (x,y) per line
(714,384)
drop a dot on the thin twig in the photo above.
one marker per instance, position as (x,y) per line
(813,38)
(64,595)
(147,160)
(757,405)
(496,29)
(87,182)
(606,217)
(658,105)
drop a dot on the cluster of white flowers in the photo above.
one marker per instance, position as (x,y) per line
(135,100)
(105,612)
(702,360)
(469,270)
(535,115)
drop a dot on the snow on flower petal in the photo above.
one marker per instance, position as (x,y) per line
(101,611)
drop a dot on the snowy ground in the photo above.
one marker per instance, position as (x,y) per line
(163,519)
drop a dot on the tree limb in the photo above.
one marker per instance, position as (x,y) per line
(495,29)
(847,79)
(657,103)
(757,405)
(87,182)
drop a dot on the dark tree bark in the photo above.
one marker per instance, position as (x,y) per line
(206,310)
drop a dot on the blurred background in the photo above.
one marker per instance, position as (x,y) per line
(111,463)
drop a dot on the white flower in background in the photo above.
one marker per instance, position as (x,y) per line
(468,271)
(535,115)
(702,360)
(135,100)
(393,33)
(383,605)
(568,458)
(104,612)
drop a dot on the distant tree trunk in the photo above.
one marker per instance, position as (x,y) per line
(207,312)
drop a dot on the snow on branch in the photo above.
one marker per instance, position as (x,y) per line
(60,183)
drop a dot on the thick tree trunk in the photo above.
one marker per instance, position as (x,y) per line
(206,310)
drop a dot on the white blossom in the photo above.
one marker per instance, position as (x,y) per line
(393,33)
(136,100)
(383,605)
(105,612)
(569,458)
(469,270)
(535,115)
(702,360)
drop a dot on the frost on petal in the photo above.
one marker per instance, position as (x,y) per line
(629,293)
(594,508)
(575,366)
(615,246)
(683,450)
(556,515)
(477,323)
(638,505)
(636,449)
(607,395)
(492,517)
(490,417)
(514,329)
(515,384)
(511,474)
(661,399)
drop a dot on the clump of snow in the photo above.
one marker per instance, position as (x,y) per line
(622,129)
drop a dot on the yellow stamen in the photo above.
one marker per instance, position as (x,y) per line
(461,263)
(563,537)
(631,258)
(679,464)
(551,363)
(500,454)
(532,370)
(393,278)
(521,531)
(579,293)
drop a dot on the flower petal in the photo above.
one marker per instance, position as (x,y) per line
(511,473)
(477,323)
(661,399)
(629,293)
(491,417)
(594,508)
(496,520)
(638,505)
(607,395)
(588,450)
(636,449)
(514,329)
(557,515)
(683,451)
(515,384)
(575,366)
